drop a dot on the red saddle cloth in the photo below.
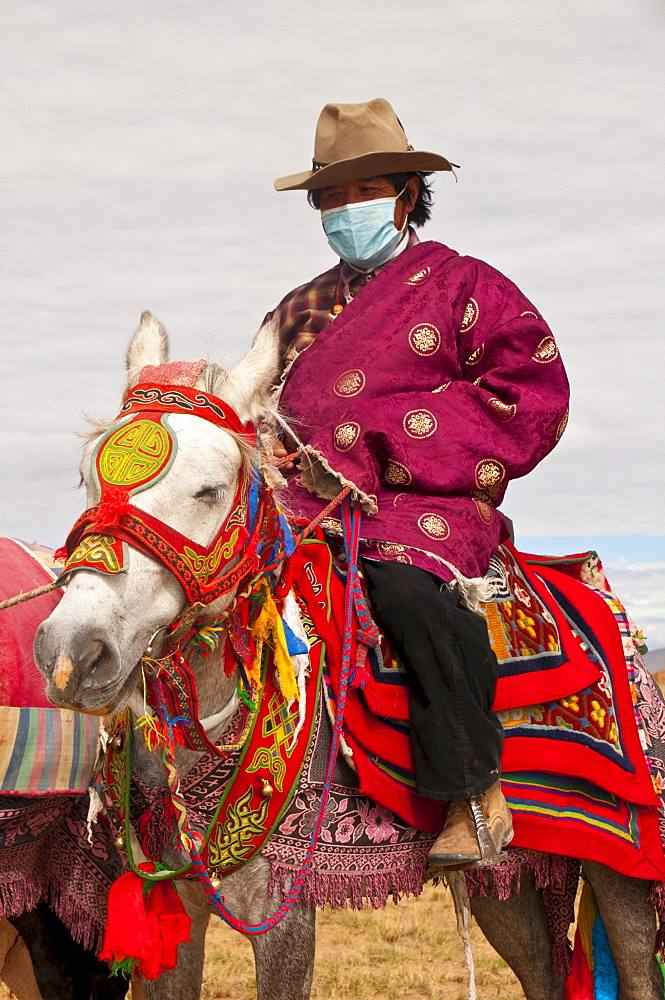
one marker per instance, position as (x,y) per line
(573,768)
(21,683)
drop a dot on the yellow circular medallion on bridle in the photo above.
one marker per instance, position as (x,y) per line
(134,454)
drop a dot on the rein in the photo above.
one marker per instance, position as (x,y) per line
(194,843)
(28,596)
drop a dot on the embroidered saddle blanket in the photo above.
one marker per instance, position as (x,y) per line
(583,719)
(46,760)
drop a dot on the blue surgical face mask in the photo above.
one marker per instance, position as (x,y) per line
(363,234)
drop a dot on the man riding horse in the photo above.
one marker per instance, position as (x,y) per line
(426,381)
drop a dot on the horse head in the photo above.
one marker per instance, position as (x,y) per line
(168,486)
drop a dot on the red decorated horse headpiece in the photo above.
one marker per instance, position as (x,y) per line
(136,452)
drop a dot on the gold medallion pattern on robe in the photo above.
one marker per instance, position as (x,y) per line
(441,388)
(502,411)
(350,383)
(332,524)
(476,355)
(471,314)
(397,474)
(546,351)
(420,423)
(484,510)
(394,552)
(434,526)
(420,277)
(490,475)
(425,339)
(563,423)
(346,435)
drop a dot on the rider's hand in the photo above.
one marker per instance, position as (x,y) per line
(279,453)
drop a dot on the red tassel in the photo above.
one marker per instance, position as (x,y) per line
(115,503)
(127,933)
(144,929)
(579,984)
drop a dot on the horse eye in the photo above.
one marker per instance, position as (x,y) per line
(211,493)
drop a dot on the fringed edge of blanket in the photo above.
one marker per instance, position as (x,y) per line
(18,896)
(349,889)
(548,870)
(507,876)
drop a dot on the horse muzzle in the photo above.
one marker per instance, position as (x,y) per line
(84,673)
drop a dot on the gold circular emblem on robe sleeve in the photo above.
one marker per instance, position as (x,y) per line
(502,411)
(397,474)
(546,351)
(490,475)
(420,423)
(346,435)
(350,383)
(441,388)
(434,526)
(563,423)
(425,339)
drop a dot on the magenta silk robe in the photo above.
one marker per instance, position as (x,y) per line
(438,384)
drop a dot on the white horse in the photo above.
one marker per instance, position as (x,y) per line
(90,649)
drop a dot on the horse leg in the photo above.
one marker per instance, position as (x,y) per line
(284,957)
(184,982)
(517,928)
(64,970)
(630,922)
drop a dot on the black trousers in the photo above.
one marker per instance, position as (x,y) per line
(445,648)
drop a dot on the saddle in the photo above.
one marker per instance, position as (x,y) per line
(579,772)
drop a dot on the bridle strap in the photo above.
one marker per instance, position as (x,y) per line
(182,399)
(156,539)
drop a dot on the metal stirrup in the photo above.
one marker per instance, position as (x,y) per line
(489,855)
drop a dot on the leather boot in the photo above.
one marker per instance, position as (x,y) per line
(475,832)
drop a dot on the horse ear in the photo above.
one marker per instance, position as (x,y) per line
(148,346)
(247,385)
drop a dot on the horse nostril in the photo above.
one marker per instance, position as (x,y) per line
(89,657)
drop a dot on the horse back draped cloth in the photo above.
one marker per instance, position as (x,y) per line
(437,384)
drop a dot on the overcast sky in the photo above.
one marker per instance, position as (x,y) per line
(140,143)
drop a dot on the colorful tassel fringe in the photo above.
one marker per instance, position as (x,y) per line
(269,627)
(593,972)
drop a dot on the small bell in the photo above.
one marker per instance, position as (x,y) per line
(267,789)
(119,842)
(216,883)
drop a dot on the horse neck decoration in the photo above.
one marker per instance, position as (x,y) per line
(163,488)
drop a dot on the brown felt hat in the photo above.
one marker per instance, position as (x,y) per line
(354,141)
